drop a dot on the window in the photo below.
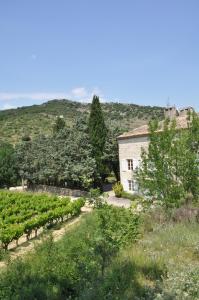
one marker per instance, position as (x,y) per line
(133,185)
(130,164)
(130,183)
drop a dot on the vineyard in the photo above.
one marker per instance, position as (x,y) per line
(25,213)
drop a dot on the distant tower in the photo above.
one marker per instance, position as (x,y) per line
(171,112)
(168,102)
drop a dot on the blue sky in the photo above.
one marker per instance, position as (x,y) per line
(136,51)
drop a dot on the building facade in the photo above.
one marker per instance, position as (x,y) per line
(132,143)
(130,157)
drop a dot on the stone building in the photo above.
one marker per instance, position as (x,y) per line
(131,144)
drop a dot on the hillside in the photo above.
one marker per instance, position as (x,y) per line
(39,119)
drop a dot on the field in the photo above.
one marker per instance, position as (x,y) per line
(23,213)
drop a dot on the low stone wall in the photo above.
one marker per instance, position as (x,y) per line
(56,190)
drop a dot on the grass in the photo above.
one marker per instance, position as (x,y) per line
(144,269)
(164,264)
(132,197)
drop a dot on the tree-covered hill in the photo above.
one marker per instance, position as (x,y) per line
(39,119)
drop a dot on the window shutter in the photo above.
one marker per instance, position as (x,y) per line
(126,185)
(124,165)
(136,163)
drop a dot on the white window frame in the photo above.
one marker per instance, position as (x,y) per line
(130,185)
(133,186)
(130,164)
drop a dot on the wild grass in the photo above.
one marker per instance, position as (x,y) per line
(162,265)
(143,271)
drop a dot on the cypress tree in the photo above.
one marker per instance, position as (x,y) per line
(97,133)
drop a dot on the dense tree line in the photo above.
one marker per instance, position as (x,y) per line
(80,156)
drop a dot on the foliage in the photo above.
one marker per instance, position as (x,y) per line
(132,197)
(97,134)
(68,268)
(95,198)
(67,157)
(181,285)
(118,189)
(25,212)
(59,124)
(64,159)
(8,166)
(162,265)
(24,163)
(116,228)
(111,151)
(169,169)
(36,119)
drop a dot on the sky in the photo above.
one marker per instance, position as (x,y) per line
(133,51)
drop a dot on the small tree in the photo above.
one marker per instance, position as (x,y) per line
(59,124)
(116,228)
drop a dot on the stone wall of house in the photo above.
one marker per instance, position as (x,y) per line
(130,148)
(56,190)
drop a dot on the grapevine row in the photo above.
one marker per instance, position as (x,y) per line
(24,213)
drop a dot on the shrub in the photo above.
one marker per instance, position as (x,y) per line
(63,270)
(95,197)
(118,189)
(132,197)
(181,285)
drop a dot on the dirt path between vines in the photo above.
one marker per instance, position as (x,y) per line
(28,246)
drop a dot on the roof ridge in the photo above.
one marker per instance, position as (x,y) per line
(181,122)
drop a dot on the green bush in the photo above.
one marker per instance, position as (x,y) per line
(118,189)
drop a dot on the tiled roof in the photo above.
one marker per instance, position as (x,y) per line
(181,122)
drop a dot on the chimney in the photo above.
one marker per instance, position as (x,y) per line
(171,112)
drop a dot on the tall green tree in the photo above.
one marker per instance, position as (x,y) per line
(170,167)
(111,152)
(190,152)
(8,168)
(97,134)
(23,153)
